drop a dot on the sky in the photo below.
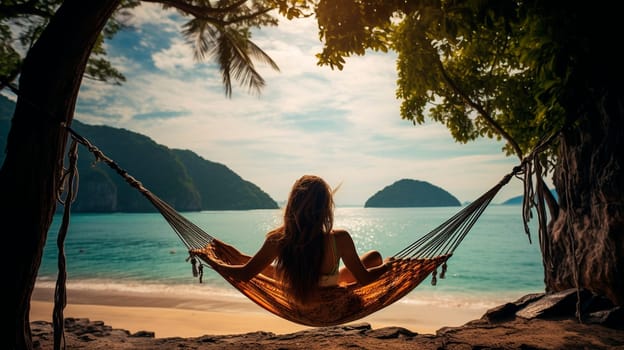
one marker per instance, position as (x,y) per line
(344,126)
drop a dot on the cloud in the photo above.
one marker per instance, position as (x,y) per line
(159,115)
(342,125)
(177,56)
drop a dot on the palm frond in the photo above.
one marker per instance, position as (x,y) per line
(235,53)
(232,50)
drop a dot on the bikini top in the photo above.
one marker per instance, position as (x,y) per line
(331,279)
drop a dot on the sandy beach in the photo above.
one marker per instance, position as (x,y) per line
(173,315)
(99,320)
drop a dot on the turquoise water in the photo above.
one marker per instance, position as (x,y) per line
(495,261)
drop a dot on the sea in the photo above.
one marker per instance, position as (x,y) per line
(497,261)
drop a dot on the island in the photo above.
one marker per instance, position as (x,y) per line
(411,193)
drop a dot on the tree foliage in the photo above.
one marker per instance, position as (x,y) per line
(218,30)
(498,69)
(21,23)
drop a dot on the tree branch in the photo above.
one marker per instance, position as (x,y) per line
(542,188)
(209,13)
(479,108)
(28,8)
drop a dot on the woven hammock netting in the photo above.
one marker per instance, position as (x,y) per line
(335,305)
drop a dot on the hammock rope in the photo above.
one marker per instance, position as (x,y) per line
(443,240)
(339,304)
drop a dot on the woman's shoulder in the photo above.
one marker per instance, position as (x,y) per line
(340,234)
(275,236)
(339,231)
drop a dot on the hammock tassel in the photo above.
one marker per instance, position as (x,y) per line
(434,278)
(443,273)
(198,268)
(193,264)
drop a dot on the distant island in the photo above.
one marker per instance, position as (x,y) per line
(180,177)
(411,193)
(518,199)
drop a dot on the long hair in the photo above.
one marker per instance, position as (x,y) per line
(308,216)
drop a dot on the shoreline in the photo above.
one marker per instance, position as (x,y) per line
(179,315)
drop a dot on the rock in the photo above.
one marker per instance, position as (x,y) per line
(561,304)
(390,333)
(501,313)
(613,318)
(143,334)
(525,300)
(506,312)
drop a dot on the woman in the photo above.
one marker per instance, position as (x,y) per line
(306,249)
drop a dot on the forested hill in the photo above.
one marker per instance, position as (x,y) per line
(411,193)
(180,177)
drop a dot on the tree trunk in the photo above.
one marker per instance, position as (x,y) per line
(29,178)
(587,238)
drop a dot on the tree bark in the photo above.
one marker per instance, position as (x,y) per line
(587,237)
(30,176)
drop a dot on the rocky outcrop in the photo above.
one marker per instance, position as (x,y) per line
(536,321)
(582,305)
(99,193)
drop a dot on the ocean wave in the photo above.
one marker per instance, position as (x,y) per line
(139,287)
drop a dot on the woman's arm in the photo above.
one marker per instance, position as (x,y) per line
(256,264)
(363,274)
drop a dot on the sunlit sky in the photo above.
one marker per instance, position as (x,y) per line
(344,126)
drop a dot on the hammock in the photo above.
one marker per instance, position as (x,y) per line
(339,304)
